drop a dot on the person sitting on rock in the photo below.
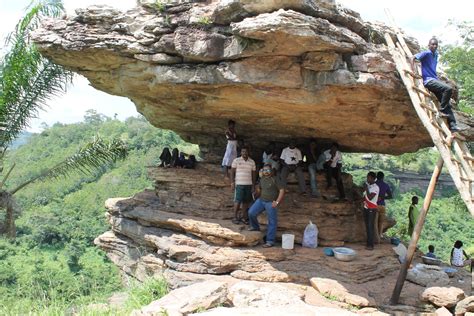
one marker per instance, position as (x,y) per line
(292,160)
(430,253)
(231,149)
(458,254)
(181,160)
(191,162)
(268,153)
(270,194)
(443,91)
(384,194)
(312,159)
(242,177)
(371,194)
(165,158)
(174,158)
(413,213)
(333,167)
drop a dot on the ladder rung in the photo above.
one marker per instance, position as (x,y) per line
(422,91)
(414,75)
(459,137)
(427,107)
(456,160)
(468,157)
(466,179)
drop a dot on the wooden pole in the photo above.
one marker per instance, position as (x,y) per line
(416,232)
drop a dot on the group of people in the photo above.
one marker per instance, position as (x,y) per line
(270,190)
(292,160)
(176,159)
(457,255)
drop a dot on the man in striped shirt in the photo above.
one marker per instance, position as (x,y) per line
(242,178)
(371,195)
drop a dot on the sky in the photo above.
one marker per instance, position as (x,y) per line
(421,19)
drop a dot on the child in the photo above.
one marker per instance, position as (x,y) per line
(457,256)
(231,149)
(430,252)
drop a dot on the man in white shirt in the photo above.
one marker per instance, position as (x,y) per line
(371,195)
(242,178)
(291,160)
(333,166)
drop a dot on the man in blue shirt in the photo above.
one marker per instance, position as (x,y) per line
(385,193)
(429,61)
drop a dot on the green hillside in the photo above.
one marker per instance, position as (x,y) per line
(53,263)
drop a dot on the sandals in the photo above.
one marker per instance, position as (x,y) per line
(238,221)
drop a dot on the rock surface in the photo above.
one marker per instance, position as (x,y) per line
(186,300)
(464,306)
(443,296)
(282,69)
(337,290)
(301,310)
(428,275)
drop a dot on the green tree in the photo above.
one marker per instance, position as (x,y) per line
(28,81)
(460,61)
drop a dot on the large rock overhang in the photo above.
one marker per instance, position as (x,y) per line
(281,69)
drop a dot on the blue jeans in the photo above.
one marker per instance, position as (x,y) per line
(258,207)
(312,178)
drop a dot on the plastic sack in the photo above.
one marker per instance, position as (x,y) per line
(401,251)
(310,237)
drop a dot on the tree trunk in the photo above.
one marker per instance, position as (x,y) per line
(10,222)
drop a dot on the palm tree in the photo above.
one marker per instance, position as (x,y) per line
(28,81)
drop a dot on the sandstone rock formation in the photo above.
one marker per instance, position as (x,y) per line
(282,69)
(427,275)
(443,296)
(339,291)
(182,230)
(464,306)
(186,300)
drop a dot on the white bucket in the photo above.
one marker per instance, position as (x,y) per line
(287,241)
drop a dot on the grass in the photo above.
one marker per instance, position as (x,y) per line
(160,6)
(204,20)
(139,295)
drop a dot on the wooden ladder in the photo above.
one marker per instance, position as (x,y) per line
(451,146)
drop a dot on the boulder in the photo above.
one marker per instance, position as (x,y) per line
(263,295)
(443,296)
(277,67)
(185,300)
(427,275)
(464,306)
(443,311)
(336,290)
(300,310)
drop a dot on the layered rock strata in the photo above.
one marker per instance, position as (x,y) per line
(185,225)
(282,69)
(182,230)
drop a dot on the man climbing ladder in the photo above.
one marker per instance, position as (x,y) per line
(443,92)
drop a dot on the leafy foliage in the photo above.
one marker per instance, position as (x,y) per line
(460,62)
(53,264)
(28,80)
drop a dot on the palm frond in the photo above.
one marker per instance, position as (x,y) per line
(28,80)
(93,156)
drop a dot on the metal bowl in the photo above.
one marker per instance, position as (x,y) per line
(431,261)
(450,271)
(344,253)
